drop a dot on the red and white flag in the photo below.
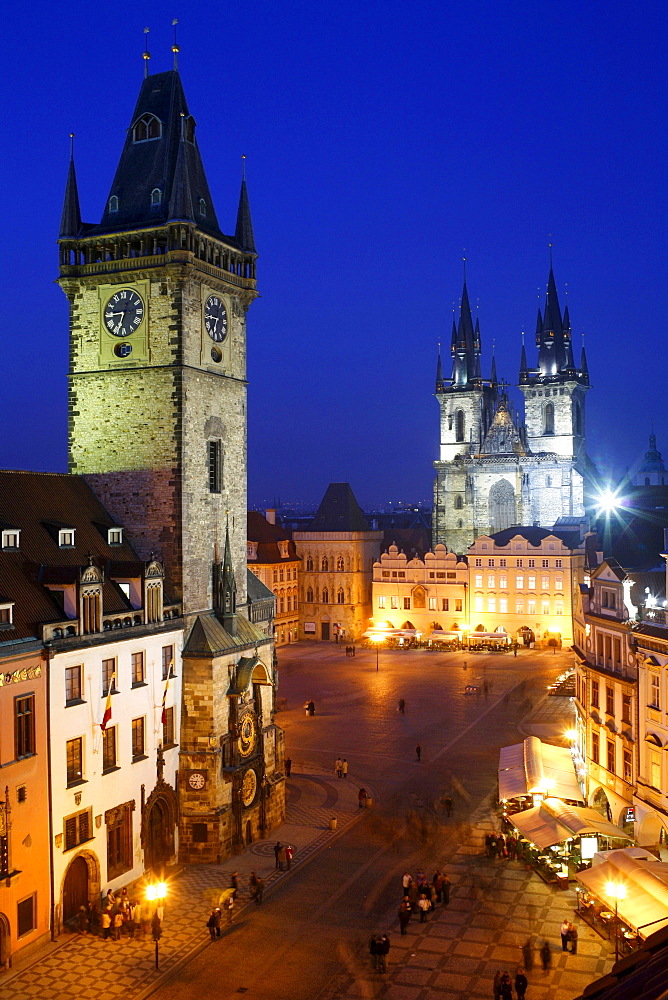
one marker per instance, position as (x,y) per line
(163,717)
(106,718)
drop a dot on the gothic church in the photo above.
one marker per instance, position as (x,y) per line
(494,470)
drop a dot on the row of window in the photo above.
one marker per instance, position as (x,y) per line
(531,605)
(289,603)
(519,582)
(156,199)
(74,748)
(433,603)
(74,675)
(312,564)
(78,829)
(611,757)
(323,598)
(519,562)
(610,700)
(290,574)
(11,537)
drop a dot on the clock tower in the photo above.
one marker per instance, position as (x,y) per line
(158,299)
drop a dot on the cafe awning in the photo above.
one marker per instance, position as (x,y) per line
(645,905)
(534,766)
(553,821)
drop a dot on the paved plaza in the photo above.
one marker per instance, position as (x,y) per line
(309,937)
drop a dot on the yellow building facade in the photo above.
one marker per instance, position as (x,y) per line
(426,595)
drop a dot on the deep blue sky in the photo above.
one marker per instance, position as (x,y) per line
(381,139)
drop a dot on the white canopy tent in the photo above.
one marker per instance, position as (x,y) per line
(645,906)
(536,767)
(553,821)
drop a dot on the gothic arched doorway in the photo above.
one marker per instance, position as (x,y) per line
(600,803)
(502,506)
(75,888)
(159,835)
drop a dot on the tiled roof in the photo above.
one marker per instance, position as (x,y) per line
(535,535)
(267,537)
(209,638)
(30,501)
(256,589)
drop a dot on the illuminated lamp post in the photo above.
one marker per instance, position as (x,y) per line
(156,893)
(377,639)
(617,891)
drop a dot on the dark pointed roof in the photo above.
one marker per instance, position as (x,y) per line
(439,372)
(244,230)
(339,511)
(70,220)
(181,202)
(524,368)
(492,376)
(152,164)
(466,346)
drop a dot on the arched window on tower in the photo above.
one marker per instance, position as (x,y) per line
(147,127)
(325,596)
(156,196)
(324,565)
(458,502)
(309,596)
(309,565)
(340,599)
(577,417)
(113,203)
(459,425)
(548,419)
(202,208)
(502,506)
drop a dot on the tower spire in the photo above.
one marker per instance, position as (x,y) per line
(439,371)
(147,55)
(70,220)
(175,46)
(180,202)
(226,587)
(244,230)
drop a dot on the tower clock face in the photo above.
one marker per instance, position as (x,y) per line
(249,787)
(124,312)
(196,780)
(247,735)
(215,318)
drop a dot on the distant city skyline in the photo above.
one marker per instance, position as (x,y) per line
(381,142)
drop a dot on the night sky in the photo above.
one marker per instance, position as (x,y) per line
(381,139)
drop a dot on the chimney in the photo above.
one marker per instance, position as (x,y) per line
(270,516)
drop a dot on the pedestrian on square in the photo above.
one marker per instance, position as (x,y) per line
(228,906)
(105,920)
(289,854)
(82,920)
(337,767)
(406,880)
(311,708)
(344,767)
(218,916)
(402,706)
(421,879)
(546,955)
(373,951)
(383,951)
(506,987)
(565,931)
(413,894)
(259,891)
(353,649)
(211,924)
(521,983)
(361,798)
(512,847)
(497,984)
(500,845)
(492,845)
(437,883)
(527,954)
(277,847)
(146,917)
(94,919)
(405,911)
(282,857)
(424,907)
(574,939)
(418,751)
(446,890)
(117,924)
(234,884)
(447,802)
(288,767)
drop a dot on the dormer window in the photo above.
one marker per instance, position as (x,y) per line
(148,127)
(115,536)
(10,538)
(202,208)
(6,614)
(156,196)
(113,203)
(251,550)
(66,538)
(284,546)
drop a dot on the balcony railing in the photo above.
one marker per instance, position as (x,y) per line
(71,627)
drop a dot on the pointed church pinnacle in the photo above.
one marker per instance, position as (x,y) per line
(175,46)
(244,228)
(70,220)
(146,55)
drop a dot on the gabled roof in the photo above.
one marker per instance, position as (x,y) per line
(339,511)
(535,535)
(31,502)
(267,536)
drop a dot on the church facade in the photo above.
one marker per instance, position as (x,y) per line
(158,298)
(494,469)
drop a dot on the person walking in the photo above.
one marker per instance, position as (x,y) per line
(373,951)
(289,853)
(228,906)
(277,847)
(361,798)
(447,802)
(506,987)
(218,916)
(437,883)
(337,767)
(446,890)
(405,910)
(259,890)
(288,767)
(521,983)
(234,884)
(546,956)
(402,706)
(565,931)
(344,767)
(424,907)
(117,924)
(574,939)
(282,857)
(418,751)
(82,920)
(527,954)
(383,951)
(211,924)
(136,917)
(497,984)
(406,880)
(105,921)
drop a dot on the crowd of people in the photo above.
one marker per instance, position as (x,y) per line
(120,916)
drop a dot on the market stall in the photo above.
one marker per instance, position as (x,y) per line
(533,768)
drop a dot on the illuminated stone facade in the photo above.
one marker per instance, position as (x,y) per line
(422,594)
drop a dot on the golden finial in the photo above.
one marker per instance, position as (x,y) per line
(243,165)
(175,46)
(147,54)
(71,145)
(464,259)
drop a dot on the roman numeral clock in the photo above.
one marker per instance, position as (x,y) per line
(123,322)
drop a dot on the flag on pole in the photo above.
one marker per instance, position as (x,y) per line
(106,718)
(163,717)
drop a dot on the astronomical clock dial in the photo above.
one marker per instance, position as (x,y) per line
(196,780)
(249,787)
(215,318)
(124,312)
(247,735)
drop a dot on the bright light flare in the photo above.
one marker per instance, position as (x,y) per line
(607,501)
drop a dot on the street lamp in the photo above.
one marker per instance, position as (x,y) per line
(377,639)
(156,893)
(617,892)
